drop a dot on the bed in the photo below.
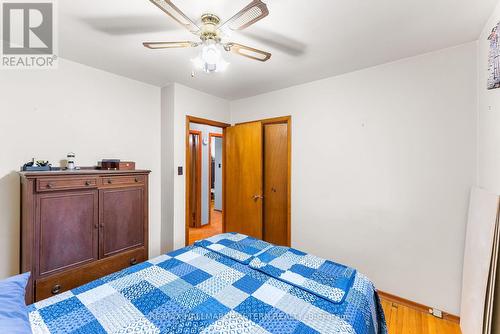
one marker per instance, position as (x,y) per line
(229,283)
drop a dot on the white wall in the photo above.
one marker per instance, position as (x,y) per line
(488,171)
(382,163)
(178,102)
(75,108)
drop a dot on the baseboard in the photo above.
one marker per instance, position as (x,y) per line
(415,305)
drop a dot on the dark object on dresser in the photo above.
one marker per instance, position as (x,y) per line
(77,226)
(109,164)
(38,166)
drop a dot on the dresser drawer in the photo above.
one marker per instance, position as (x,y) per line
(65,183)
(67,280)
(128,180)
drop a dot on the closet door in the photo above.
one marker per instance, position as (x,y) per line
(243,179)
(276,183)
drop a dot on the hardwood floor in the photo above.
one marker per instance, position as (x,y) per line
(405,320)
(215,227)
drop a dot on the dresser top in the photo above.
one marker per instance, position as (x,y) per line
(96,172)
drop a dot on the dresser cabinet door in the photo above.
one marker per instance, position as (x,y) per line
(67,228)
(121,220)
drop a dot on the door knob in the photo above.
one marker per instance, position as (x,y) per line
(256,197)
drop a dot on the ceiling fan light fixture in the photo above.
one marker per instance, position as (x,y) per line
(210,59)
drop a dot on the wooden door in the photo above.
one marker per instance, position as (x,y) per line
(67,224)
(276,183)
(122,218)
(195,178)
(243,179)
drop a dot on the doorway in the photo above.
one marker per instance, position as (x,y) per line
(204,178)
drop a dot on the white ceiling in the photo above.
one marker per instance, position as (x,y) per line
(309,39)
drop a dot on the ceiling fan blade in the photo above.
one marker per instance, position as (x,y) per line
(255,11)
(171,10)
(248,52)
(169,45)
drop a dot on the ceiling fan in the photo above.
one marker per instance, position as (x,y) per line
(211,32)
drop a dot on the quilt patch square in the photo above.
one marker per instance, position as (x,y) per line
(231,296)
(277,321)
(191,298)
(55,311)
(167,316)
(170,264)
(91,296)
(176,288)
(93,327)
(114,311)
(151,300)
(211,310)
(248,284)
(71,322)
(253,309)
(196,277)
(212,286)
(269,294)
(304,329)
(182,269)
(187,256)
(137,290)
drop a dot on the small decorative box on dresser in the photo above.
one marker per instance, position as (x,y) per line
(77,226)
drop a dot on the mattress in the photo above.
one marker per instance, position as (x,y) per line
(198,290)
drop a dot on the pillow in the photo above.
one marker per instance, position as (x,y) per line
(13,312)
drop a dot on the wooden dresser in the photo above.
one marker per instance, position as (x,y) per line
(79,226)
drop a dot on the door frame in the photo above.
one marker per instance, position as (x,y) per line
(281,120)
(198,173)
(210,136)
(198,120)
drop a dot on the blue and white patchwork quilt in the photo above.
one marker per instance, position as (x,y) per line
(321,277)
(198,290)
(237,246)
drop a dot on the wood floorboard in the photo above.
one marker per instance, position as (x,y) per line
(405,320)
(215,227)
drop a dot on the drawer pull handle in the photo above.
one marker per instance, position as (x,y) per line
(133,261)
(56,289)
(109,181)
(87,183)
(136,180)
(50,185)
